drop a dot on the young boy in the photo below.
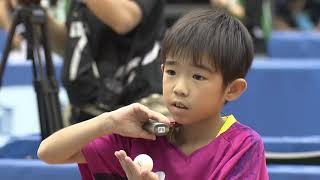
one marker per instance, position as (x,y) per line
(206,56)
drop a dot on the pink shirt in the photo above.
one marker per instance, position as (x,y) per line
(238,153)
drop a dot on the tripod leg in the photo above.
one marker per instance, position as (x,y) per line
(54,88)
(47,50)
(4,59)
(45,83)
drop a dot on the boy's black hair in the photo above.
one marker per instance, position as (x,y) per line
(213,36)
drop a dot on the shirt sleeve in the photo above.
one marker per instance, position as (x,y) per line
(249,161)
(100,157)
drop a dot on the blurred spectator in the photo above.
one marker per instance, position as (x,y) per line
(297,15)
(110,51)
(255,14)
(6,8)
(109,45)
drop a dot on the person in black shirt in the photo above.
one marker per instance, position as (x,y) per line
(110,51)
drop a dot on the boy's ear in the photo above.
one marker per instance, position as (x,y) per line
(162,68)
(235,89)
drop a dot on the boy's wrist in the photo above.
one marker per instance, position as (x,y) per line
(106,124)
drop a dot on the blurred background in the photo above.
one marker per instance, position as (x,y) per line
(281,103)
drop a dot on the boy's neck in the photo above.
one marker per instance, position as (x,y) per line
(198,134)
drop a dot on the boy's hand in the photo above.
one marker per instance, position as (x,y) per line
(132,170)
(128,120)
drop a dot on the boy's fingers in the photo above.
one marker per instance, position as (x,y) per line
(121,157)
(121,160)
(154,115)
(159,117)
(133,168)
(148,175)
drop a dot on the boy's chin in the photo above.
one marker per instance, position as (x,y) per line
(180,120)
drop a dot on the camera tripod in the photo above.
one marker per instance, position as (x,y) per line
(34,18)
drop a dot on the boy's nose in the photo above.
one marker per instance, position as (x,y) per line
(180,88)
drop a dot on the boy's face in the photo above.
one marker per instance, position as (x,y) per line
(192,93)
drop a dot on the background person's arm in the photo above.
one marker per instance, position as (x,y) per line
(121,15)
(4,15)
(57,33)
(233,6)
(5,20)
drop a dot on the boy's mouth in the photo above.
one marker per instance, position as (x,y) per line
(179,105)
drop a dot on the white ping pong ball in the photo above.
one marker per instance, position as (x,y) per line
(144,161)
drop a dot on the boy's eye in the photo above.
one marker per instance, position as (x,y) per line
(171,72)
(198,77)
